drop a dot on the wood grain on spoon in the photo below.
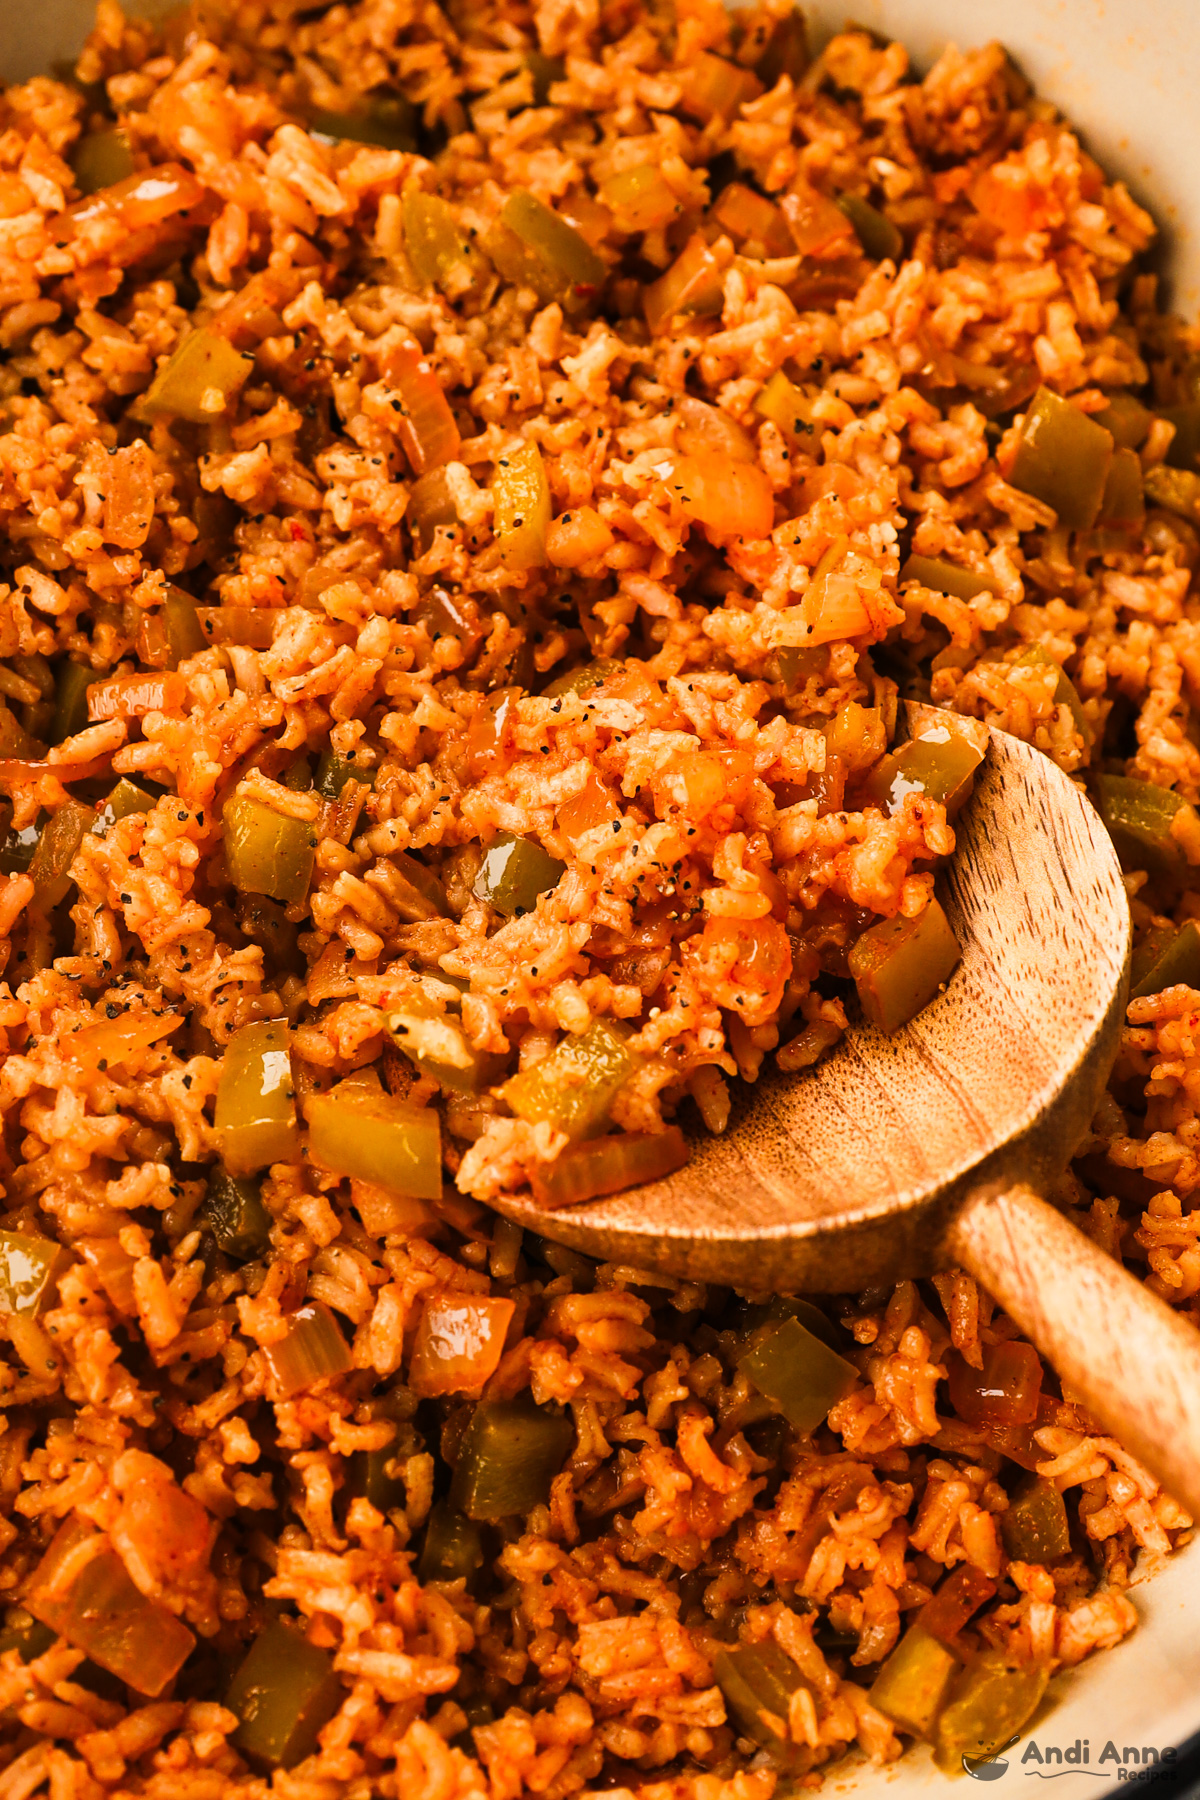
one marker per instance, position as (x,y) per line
(898,1156)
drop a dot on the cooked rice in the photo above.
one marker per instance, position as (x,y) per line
(711,913)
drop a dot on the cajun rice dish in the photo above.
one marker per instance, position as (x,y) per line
(477,484)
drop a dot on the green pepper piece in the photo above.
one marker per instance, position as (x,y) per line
(802,1375)
(912,1684)
(284,1693)
(57,848)
(1185,445)
(573,1088)
(24,1633)
(1139,817)
(255,1116)
(758,1681)
(70,706)
(879,236)
(1126,420)
(18,849)
(899,965)
(266,852)
(99,1610)
(185,634)
(1062,460)
(510,1453)
(991,1703)
(386,120)
(1174,963)
(101,159)
(203,374)
(453,1547)
(533,247)
(1178,490)
(417,894)
(36,716)
(1124,503)
(439,1047)
(947,577)
(375,1137)
(236,1216)
(938,762)
(1034,1527)
(1065,692)
(125,800)
(313,1350)
(371,1475)
(521,508)
(582,680)
(333,772)
(514,872)
(790,409)
(30,1268)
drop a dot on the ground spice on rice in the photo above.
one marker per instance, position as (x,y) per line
(475,485)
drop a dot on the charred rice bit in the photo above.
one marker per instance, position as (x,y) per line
(447,649)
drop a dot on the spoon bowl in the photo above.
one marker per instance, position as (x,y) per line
(839,1176)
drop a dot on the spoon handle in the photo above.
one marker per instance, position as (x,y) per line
(1133,1362)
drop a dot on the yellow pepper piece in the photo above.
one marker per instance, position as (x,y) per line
(521,508)
(255,1114)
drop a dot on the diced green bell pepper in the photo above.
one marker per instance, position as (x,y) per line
(1139,817)
(533,247)
(573,1088)
(453,1547)
(900,964)
(378,1138)
(1126,420)
(913,1682)
(878,235)
(125,800)
(510,1453)
(388,121)
(989,1705)
(798,1372)
(284,1693)
(185,634)
(938,762)
(758,1681)
(1124,503)
(514,871)
(236,1216)
(1062,459)
(1034,1527)
(266,852)
(943,577)
(438,1047)
(1178,490)
(1171,962)
(255,1115)
(334,771)
(57,848)
(70,705)
(101,159)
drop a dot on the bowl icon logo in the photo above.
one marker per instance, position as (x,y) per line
(989,1767)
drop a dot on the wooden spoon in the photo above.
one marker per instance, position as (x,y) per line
(898,1156)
